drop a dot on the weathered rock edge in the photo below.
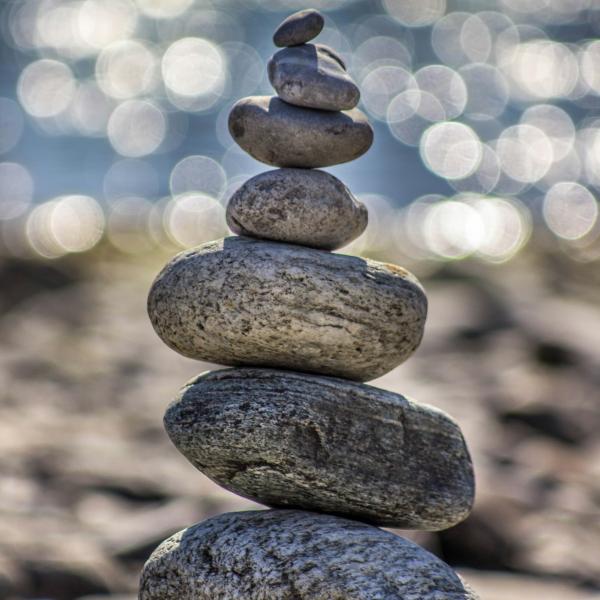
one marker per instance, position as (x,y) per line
(318,443)
(241,301)
(294,555)
(282,135)
(297,206)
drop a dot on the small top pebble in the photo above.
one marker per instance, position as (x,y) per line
(299,28)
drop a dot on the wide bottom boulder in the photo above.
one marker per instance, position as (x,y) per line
(294,555)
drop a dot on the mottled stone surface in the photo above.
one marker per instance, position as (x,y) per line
(299,206)
(294,555)
(283,135)
(313,76)
(325,444)
(299,28)
(241,301)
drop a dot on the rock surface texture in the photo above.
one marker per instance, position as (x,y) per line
(290,439)
(292,426)
(314,76)
(283,135)
(299,28)
(241,301)
(293,555)
(297,206)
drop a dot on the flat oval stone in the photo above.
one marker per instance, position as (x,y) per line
(241,301)
(325,444)
(299,206)
(312,76)
(299,28)
(283,135)
(294,555)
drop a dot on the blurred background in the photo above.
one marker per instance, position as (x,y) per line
(115,154)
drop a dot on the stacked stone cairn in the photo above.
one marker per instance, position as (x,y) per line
(291,425)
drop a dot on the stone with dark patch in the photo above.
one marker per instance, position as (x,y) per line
(241,301)
(298,206)
(294,555)
(299,28)
(282,135)
(313,76)
(325,444)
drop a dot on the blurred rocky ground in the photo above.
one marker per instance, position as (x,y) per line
(90,484)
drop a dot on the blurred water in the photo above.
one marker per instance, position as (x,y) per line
(112,99)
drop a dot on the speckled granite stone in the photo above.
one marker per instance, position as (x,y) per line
(324,444)
(283,135)
(299,206)
(299,28)
(241,301)
(314,76)
(294,555)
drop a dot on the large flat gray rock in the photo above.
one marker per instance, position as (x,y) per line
(314,76)
(293,555)
(329,445)
(299,206)
(299,28)
(241,301)
(283,135)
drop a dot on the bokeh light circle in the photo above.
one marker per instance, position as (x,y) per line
(126,69)
(453,230)
(46,88)
(192,219)
(136,128)
(451,150)
(446,85)
(65,225)
(570,210)
(193,67)
(415,13)
(381,85)
(199,174)
(525,153)
(102,22)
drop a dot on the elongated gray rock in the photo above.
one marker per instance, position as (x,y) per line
(299,28)
(241,301)
(283,135)
(313,76)
(299,206)
(294,555)
(325,444)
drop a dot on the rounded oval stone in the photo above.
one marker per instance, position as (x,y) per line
(312,76)
(299,28)
(325,444)
(241,301)
(294,555)
(299,206)
(283,135)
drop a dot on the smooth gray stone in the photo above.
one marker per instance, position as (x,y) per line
(283,135)
(313,76)
(299,206)
(294,555)
(299,28)
(241,301)
(325,444)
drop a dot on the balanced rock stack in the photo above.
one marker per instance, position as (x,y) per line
(291,425)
